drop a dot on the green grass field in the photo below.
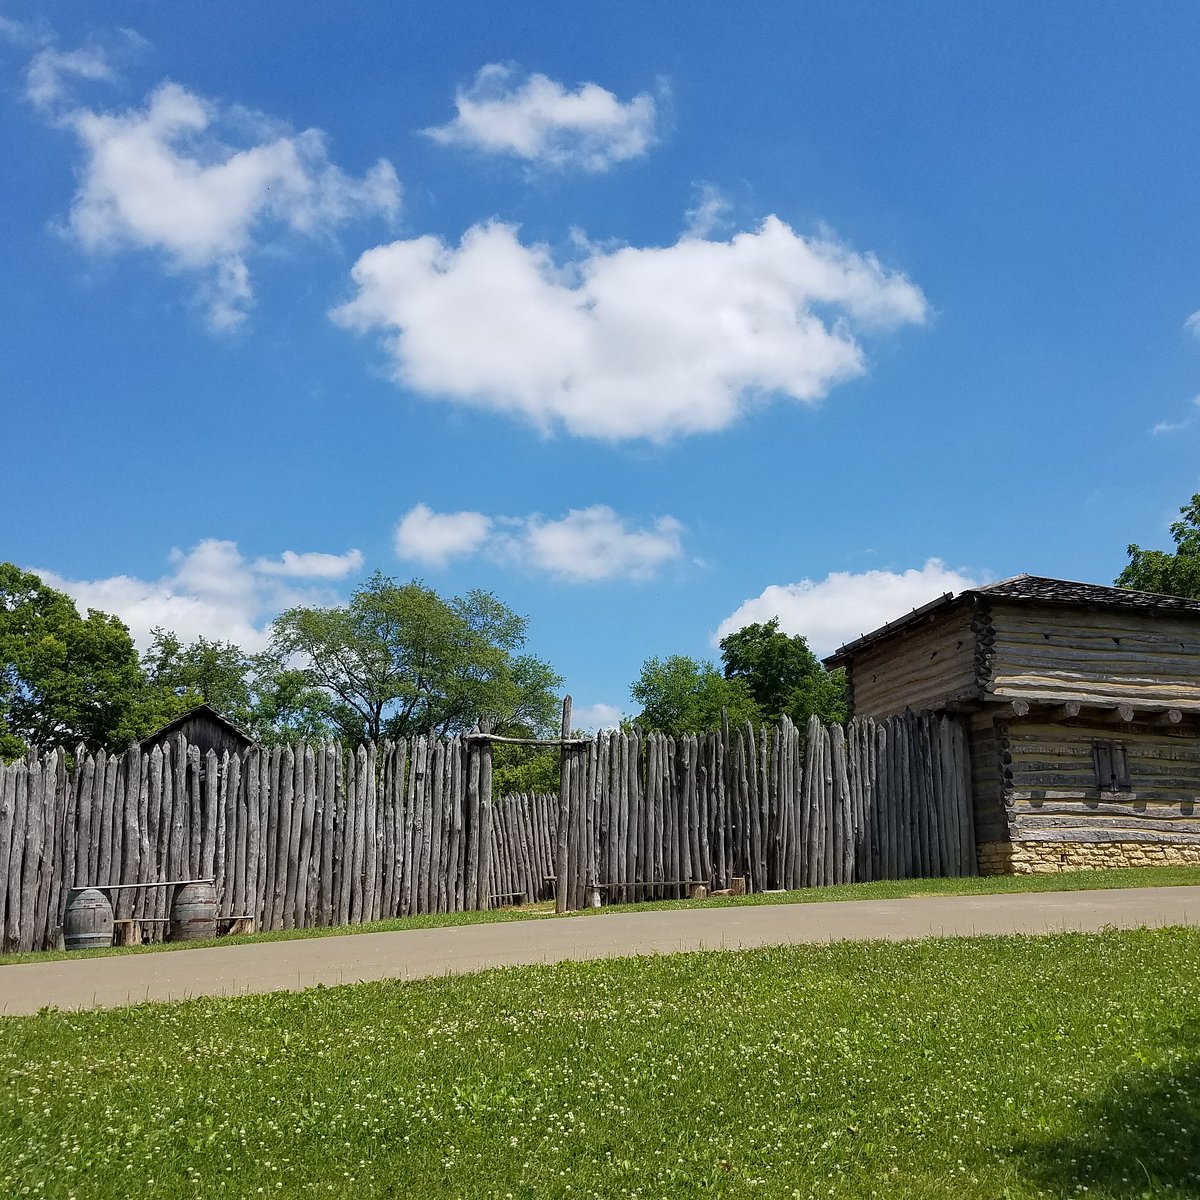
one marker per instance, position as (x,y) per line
(990,1067)
(888,889)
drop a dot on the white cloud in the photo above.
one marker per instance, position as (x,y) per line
(626,342)
(49,69)
(592,544)
(169,178)
(212,591)
(311,565)
(433,539)
(1169,427)
(588,545)
(842,606)
(1193,323)
(542,122)
(594,717)
(711,212)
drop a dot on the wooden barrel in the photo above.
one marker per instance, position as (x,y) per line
(88,921)
(194,913)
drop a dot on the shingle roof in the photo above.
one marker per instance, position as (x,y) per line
(1032,589)
(1039,589)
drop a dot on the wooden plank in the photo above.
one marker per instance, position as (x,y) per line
(307,910)
(436,876)
(326,895)
(343,786)
(15,873)
(402,768)
(962,778)
(8,803)
(160,847)
(53,867)
(270,799)
(101,836)
(246,897)
(127,849)
(42,885)
(283,894)
(843,861)
(472,822)
(85,771)
(371,855)
(31,858)
(888,800)
(918,761)
(235,835)
(425,794)
(268,767)
(177,855)
(484,897)
(223,822)
(208,782)
(361,833)
(387,828)
(196,809)
(562,850)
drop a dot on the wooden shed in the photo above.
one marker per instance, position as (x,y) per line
(204,728)
(1082,706)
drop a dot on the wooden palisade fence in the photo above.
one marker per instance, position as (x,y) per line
(308,835)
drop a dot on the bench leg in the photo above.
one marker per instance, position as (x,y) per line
(127,933)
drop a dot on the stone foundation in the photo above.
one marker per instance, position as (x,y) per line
(1046,858)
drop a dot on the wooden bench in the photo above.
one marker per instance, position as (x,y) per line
(127,931)
(697,888)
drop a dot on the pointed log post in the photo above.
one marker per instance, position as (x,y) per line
(564,812)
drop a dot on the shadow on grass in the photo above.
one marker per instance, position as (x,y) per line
(1138,1139)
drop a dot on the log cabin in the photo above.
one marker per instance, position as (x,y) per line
(1082,710)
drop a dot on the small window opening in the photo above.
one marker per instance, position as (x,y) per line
(1112,766)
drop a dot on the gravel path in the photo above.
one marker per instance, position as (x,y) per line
(412,954)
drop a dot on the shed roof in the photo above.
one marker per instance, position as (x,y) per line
(201,710)
(1029,589)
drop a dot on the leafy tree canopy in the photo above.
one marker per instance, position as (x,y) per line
(766,674)
(64,678)
(684,695)
(209,672)
(1170,574)
(783,675)
(399,659)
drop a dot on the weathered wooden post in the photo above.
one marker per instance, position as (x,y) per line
(561,850)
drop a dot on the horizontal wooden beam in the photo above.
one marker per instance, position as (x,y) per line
(516,741)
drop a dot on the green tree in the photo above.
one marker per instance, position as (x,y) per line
(783,675)
(287,706)
(63,678)
(1176,574)
(209,672)
(398,660)
(524,769)
(685,695)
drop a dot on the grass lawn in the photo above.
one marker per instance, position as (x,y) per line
(986,1067)
(888,889)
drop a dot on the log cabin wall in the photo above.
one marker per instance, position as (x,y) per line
(1054,792)
(923,667)
(1071,653)
(988,749)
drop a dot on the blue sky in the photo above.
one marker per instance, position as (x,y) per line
(648,318)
